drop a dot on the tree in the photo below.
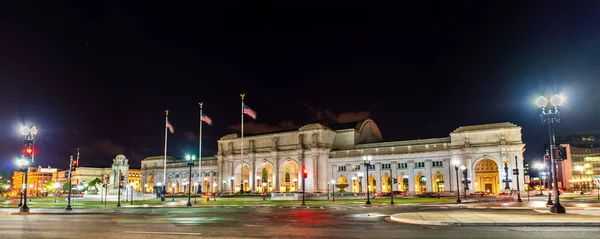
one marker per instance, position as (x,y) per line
(50,187)
(95,183)
(66,186)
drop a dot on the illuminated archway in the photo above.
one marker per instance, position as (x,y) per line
(438,179)
(420,184)
(264,174)
(288,176)
(386,183)
(372,184)
(487,177)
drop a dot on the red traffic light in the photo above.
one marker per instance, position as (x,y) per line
(28,151)
(304,172)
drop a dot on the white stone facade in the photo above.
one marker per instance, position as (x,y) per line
(336,153)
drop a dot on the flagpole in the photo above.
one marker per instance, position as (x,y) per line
(242,147)
(200,152)
(162,198)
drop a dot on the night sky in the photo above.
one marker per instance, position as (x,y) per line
(99,75)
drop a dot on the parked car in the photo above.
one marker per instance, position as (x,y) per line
(504,197)
(480,194)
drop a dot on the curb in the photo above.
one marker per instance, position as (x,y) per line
(60,213)
(396,219)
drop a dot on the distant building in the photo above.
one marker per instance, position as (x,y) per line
(37,178)
(582,166)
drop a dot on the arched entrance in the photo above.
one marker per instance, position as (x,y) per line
(264,174)
(372,184)
(386,183)
(288,176)
(487,176)
(420,184)
(438,183)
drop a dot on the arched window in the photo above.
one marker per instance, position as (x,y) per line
(265,175)
(287,175)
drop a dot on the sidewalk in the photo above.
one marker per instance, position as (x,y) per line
(586,218)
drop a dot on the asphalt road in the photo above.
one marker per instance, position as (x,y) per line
(260,222)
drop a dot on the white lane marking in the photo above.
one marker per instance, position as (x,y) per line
(164,233)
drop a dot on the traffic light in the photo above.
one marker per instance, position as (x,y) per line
(562,153)
(120,184)
(304,172)
(66,174)
(122,177)
(73,165)
(28,152)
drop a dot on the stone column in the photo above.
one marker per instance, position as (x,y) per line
(411,177)
(275,184)
(253,174)
(428,175)
(377,175)
(394,167)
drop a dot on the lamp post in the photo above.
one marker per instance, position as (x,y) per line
(437,181)
(550,117)
(540,167)
(295,184)
(56,186)
(231,186)
(506,179)
(465,180)
(207,189)
(367,162)
(173,192)
(360,175)
(580,169)
(516,172)
(456,162)
(69,208)
(29,134)
(333,189)
(196,196)
(264,185)
(132,191)
(215,184)
(391,188)
(190,162)
(328,191)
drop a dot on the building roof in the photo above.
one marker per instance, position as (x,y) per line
(485,127)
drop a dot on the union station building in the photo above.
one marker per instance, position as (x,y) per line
(334,155)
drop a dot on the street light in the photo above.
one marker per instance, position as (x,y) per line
(456,162)
(215,190)
(195,185)
(333,190)
(552,116)
(360,175)
(56,186)
(190,162)
(295,184)
(367,163)
(465,180)
(29,134)
(231,186)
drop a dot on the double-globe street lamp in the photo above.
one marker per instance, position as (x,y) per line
(552,116)
(367,163)
(190,162)
(29,134)
(456,162)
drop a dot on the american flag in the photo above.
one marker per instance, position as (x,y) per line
(249,112)
(170,127)
(206,119)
